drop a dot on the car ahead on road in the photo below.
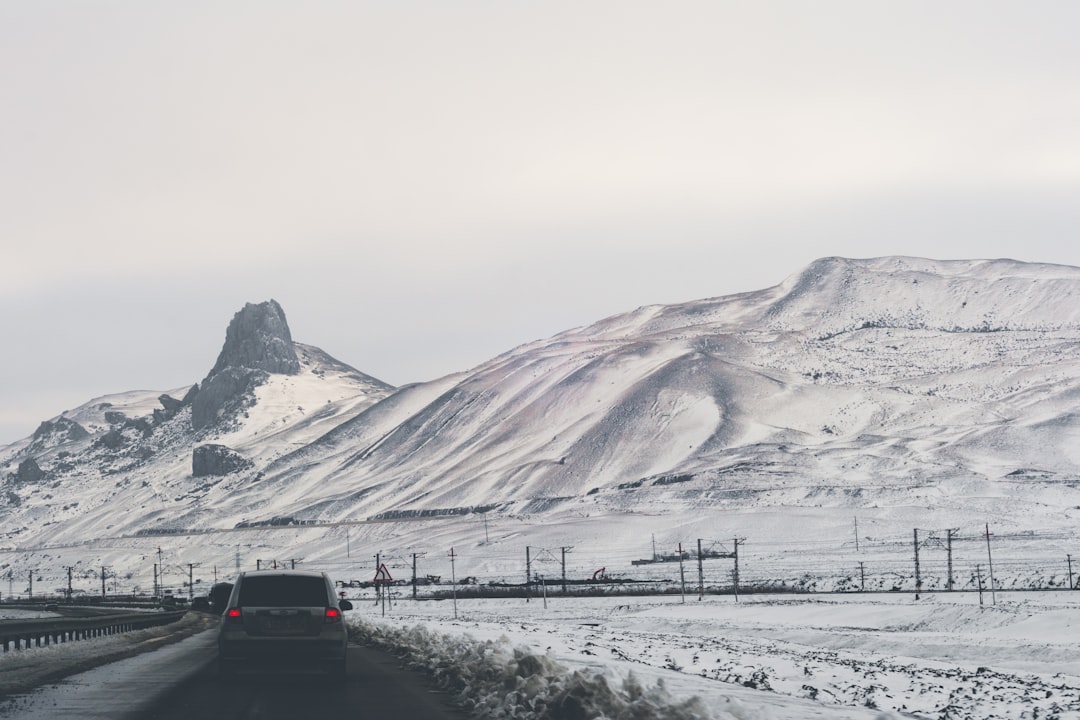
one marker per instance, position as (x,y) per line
(283,620)
(219,597)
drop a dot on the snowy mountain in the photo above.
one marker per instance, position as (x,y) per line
(888,373)
(129,462)
(905,388)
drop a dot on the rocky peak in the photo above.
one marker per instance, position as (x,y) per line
(258,338)
(257,343)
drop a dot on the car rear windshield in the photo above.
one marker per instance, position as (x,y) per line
(282,591)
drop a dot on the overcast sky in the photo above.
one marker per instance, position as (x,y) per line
(424,185)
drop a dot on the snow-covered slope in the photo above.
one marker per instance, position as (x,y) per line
(896,386)
(892,372)
(123,464)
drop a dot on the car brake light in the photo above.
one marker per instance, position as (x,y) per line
(333,615)
(234,615)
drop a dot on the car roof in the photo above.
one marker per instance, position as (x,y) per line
(283,572)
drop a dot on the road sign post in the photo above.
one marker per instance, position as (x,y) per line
(382,577)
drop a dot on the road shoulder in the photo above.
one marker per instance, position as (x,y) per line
(23,670)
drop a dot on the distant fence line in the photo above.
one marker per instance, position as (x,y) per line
(926,561)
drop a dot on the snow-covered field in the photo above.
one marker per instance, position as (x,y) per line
(778,657)
(762,658)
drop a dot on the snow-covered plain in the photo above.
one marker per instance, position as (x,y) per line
(758,658)
(776,657)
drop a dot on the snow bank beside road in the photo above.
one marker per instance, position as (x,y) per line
(495,680)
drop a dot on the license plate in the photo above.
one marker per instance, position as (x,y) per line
(283,626)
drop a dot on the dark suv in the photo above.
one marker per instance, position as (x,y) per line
(283,620)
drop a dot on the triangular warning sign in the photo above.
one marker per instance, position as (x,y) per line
(383,575)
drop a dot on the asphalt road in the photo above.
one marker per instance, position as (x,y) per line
(375,687)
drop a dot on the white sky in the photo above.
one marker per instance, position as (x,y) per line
(423,185)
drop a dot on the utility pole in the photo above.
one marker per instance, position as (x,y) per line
(1071,586)
(157,592)
(348,546)
(528,574)
(378,586)
(69,583)
(978,574)
(564,551)
(856,534)
(736,553)
(700,574)
(948,549)
(918,577)
(103,573)
(30,587)
(682,575)
(453,579)
(862,576)
(414,576)
(990,559)
(190,582)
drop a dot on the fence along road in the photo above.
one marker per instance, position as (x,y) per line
(24,634)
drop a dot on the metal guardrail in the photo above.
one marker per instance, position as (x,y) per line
(23,634)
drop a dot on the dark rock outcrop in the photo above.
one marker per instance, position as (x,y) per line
(189,396)
(217,460)
(223,395)
(258,338)
(131,430)
(60,431)
(29,472)
(170,404)
(53,434)
(257,343)
(169,407)
(113,439)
